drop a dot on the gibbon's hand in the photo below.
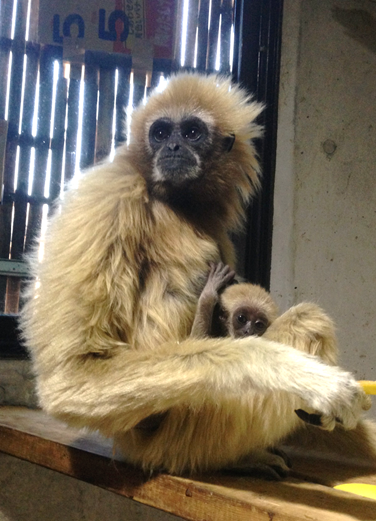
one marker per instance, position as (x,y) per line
(220,275)
(346,407)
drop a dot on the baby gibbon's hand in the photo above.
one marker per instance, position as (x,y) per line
(220,275)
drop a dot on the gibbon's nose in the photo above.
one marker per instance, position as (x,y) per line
(174,147)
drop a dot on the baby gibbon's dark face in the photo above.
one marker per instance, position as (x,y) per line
(247,321)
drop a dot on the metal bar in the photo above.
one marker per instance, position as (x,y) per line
(72,122)
(213,35)
(3,142)
(121,105)
(89,129)
(13,268)
(202,37)
(227,20)
(105,112)
(256,66)
(57,142)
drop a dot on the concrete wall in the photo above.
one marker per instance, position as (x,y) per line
(324,245)
(32,493)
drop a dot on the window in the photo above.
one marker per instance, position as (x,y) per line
(62,105)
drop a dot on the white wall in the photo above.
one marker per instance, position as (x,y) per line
(324,242)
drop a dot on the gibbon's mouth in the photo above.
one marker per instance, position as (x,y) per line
(177,178)
(181,162)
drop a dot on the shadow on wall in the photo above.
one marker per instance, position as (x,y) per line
(359,24)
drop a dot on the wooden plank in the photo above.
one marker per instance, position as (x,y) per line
(72,121)
(213,35)
(105,112)
(21,17)
(6,11)
(191,34)
(57,142)
(202,37)
(12,295)
(227,21)
(5,46)
(47,56)
(33,436)
(89,127)
(122,100)
(26,138)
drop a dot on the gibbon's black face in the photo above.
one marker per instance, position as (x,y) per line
(181,149)
(247,321)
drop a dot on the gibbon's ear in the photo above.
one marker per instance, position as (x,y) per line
(228,142)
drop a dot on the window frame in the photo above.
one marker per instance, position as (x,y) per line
(257,49)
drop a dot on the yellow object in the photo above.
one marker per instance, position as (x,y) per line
(360,489)
(368,386)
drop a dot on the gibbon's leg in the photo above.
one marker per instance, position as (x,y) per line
(307,328)
(355,445)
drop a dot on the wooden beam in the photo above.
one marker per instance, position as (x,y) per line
(308,494)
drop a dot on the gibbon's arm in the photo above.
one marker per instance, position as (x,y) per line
(115,394)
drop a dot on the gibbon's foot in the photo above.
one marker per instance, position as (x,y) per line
(282,454)
(272,465)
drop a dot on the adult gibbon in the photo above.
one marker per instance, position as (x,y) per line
(109,318)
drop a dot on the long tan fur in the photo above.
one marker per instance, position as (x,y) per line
(108,316)
(307,328)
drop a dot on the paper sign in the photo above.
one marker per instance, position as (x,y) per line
(110,25)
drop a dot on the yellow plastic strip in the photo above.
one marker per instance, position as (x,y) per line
(360,489)
(369,386)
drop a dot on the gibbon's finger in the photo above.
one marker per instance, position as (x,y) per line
(212,268)
(321,421)
(312,419)
(367,403)
(227,273)
(222,275)
(229,277)
(271,464)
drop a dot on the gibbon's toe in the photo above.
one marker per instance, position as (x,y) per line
(271,464)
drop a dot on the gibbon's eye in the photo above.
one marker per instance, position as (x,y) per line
(192,133)
(194,130)
(242,319)
(259,325)
(161,133)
